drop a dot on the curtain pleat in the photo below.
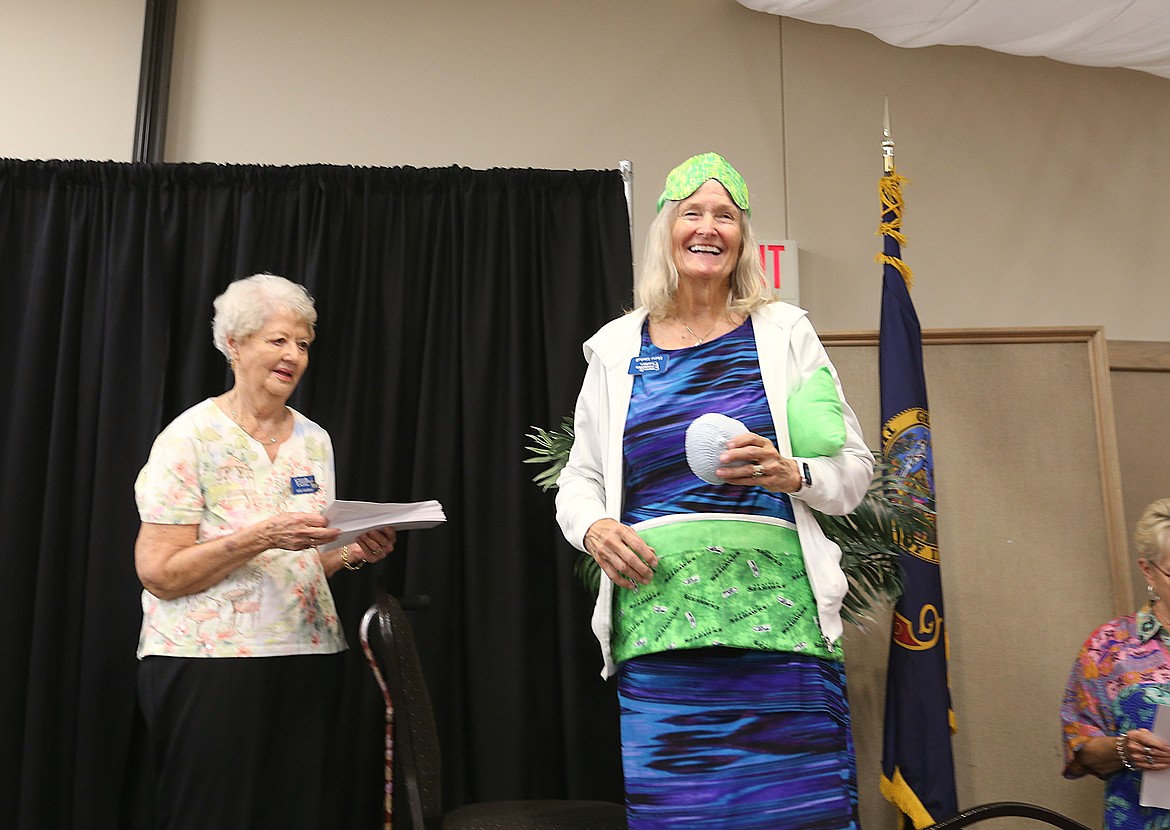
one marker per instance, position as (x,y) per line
(453,303)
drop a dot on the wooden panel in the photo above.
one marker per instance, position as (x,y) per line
(1140,377)
(1139,356)
(1032,546)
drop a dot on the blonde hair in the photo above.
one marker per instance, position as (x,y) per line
(1151,537)
(247,304)
(657,283)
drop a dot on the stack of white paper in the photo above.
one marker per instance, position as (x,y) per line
(354,518)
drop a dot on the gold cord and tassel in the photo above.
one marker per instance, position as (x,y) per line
(890,191)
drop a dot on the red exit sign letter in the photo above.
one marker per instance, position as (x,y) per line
(780,269)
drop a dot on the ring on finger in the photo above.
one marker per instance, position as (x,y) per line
(757,470)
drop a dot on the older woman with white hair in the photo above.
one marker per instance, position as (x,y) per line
(710,424)
(1119,679)
(229,553)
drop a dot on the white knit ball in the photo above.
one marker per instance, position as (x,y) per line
(707,438)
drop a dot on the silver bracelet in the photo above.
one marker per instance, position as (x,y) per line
(1121,752)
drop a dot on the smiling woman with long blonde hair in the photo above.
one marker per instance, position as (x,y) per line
(691,481)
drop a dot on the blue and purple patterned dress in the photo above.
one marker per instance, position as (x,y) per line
(715,736)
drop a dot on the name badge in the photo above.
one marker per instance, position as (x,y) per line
(304,484)
(649,364)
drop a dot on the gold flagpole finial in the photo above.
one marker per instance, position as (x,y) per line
(887,142)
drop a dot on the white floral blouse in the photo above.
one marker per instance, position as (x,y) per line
(204,470)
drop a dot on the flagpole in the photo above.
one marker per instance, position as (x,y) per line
(887,142)
(890,190)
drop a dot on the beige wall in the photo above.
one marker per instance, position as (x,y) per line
(507,84)
(70,78)
(1036,194)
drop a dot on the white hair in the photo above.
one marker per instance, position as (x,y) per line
(657,282)
(247,304)
(1152,535)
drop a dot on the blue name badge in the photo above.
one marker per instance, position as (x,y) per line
(649,364)
(304,484)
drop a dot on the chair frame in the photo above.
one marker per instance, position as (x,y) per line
(420,771)
(1001,809)
(412,743)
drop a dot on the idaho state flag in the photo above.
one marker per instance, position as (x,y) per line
(918,771)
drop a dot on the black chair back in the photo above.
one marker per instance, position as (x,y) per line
(417,760)
(1000,809)
(415,748)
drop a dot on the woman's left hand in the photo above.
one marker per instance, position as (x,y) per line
(760,464)
(1145,750)
(375,545)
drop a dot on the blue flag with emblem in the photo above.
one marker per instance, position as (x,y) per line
(918,771)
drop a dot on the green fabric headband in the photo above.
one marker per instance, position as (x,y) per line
(690,175)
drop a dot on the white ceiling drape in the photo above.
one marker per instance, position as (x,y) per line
(1134,34)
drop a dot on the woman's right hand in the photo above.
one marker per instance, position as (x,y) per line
(621,553)
(298,531)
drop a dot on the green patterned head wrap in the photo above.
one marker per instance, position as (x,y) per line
(690,175)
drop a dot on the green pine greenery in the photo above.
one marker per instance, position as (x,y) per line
(894,512)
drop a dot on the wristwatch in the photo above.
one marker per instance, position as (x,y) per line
(805,474)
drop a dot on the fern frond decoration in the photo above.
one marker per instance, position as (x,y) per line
(551,448)
(588,572)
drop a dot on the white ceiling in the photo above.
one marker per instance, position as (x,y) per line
(1134,34)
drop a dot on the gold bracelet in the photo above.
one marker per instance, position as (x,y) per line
(345,560)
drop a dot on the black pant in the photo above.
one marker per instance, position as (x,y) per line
(239,742)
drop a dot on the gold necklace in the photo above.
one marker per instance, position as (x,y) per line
(236,418)
(699,340)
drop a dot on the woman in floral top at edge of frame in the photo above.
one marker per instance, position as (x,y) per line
(1120,677)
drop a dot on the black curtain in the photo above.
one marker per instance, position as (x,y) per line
(453,303)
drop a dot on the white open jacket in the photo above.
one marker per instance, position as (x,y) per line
(591,487)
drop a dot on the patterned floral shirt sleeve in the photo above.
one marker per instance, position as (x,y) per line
(167,489)
(1081,711)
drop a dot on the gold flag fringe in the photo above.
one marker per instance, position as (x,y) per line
(890,191)
(902,796)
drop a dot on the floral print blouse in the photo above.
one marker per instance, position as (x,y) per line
(205,470)
(1120,676)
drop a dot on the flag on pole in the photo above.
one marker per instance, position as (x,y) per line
(918,770)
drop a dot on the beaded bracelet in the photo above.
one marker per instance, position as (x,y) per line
(1121,752)
(360,564)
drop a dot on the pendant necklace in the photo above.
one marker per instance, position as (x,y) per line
(699,340)
(236,418)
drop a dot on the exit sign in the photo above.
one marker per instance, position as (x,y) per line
(780,269)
